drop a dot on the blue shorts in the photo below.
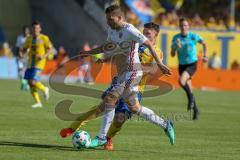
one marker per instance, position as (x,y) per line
(121,105)
(32,74)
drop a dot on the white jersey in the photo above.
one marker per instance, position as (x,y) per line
(125,52)
(22,62)
(20,41)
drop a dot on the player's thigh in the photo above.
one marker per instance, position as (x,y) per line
(109,101)
(29,76)
(114,92)
(123,107)
(32,82)
(133,103)
(36,75)
(111,98)
(184,77)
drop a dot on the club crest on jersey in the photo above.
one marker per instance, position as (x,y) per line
(109,46)
(125,45)
(39,41)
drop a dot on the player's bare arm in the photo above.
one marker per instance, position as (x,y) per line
(158,60)
(103,60)
(176,46)
(23,52)
(49,51)
(106,47)
(20,53)
(204,46)
(173,52)
(94,51)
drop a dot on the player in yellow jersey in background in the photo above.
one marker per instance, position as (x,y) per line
(38,47)
(151,31)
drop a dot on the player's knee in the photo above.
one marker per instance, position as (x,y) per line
(132,101)
(120,118)
(182,82)
(31,83)
(110,101)
(134,105)
(135,108)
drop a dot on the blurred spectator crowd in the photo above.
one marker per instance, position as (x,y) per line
(212,15)
(203,15)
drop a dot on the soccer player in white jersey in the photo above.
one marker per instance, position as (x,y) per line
(21,59)
(122,49)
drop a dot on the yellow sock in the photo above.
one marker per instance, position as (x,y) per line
(113,130)
(35,94)
(40,86)
(85,117)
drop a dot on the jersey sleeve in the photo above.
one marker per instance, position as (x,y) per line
(198,38)
(47,43)
(159,53)
(136,35)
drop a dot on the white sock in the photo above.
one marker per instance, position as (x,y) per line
(149,115)
(107,120)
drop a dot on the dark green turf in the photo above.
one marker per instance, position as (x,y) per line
(28,133)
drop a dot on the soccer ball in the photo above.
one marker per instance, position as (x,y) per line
(81,139)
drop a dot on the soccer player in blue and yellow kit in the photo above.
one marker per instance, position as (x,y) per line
(184,45)
(38,47)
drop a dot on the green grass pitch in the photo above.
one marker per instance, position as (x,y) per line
(28,133)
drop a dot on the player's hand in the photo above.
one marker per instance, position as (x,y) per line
(165,70)
(100,61)
(205,59)
(21,55)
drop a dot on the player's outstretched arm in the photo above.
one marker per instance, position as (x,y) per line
(175,46)
(23,52)
(204,46)
(103,60)
(92,51)
(165,70)
(49,51)
(173,52)
(105,48)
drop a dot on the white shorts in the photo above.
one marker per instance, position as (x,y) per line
(21,64)
(126,84)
